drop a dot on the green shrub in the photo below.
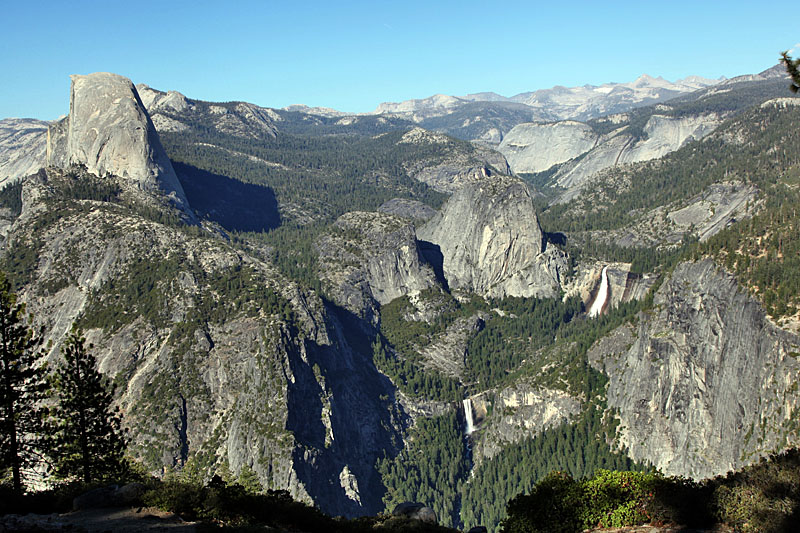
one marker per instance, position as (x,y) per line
(616,499)
(553,506)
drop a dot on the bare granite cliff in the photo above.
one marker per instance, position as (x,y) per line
(22,148)
(109,132)
(705,382)
(582,152)
(489,240)
(519,411)
(533,147)
(372,258)
(623,285)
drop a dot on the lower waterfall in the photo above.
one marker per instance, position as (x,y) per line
(468,416)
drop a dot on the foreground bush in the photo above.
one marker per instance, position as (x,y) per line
(760,498)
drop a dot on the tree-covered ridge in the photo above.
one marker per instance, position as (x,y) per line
(764,251)
(131,281)
(757,147)
(318,177)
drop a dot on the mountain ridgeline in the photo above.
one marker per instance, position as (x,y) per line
(315,299)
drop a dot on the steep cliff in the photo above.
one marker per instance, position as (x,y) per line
(109,132)
(520,411)
(660,136)
(218,358)
(623,285)
(583,152)
(369,259)
(705,383)
(490,242)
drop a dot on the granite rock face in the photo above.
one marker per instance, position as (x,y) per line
(623,285)
(520,411)
(109,132)
(22,148)
(411,209)
(660,136)
(370,259)
(536,147)
(705,383)
(490,242)
(449,173)
(583,152)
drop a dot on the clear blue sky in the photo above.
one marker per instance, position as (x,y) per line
(353,55)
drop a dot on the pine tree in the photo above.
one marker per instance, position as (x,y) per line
(87,440)
(22,386)
(793,69)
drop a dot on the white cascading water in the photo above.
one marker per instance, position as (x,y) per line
(602,295)
(468,416)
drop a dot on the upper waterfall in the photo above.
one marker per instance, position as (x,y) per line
(602,295)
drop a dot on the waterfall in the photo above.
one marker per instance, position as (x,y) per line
(468,416)
(602,295)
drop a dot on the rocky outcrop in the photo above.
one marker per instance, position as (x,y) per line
(522,411)
(455,164)
(22,148)
(415,511)
(416,110)
(623,285)
(536,147)
(447,353)
(109,132)
(371,258)
(705,383)
(412,209)
(701,216)
(719,206)
(490,242)
(583,153)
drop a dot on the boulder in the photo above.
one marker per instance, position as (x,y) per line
(129,494)
(100,497)
(416,511)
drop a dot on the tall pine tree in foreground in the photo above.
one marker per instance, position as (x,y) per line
(87,441)
(22,386)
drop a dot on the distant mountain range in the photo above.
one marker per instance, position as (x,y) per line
(560,103)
